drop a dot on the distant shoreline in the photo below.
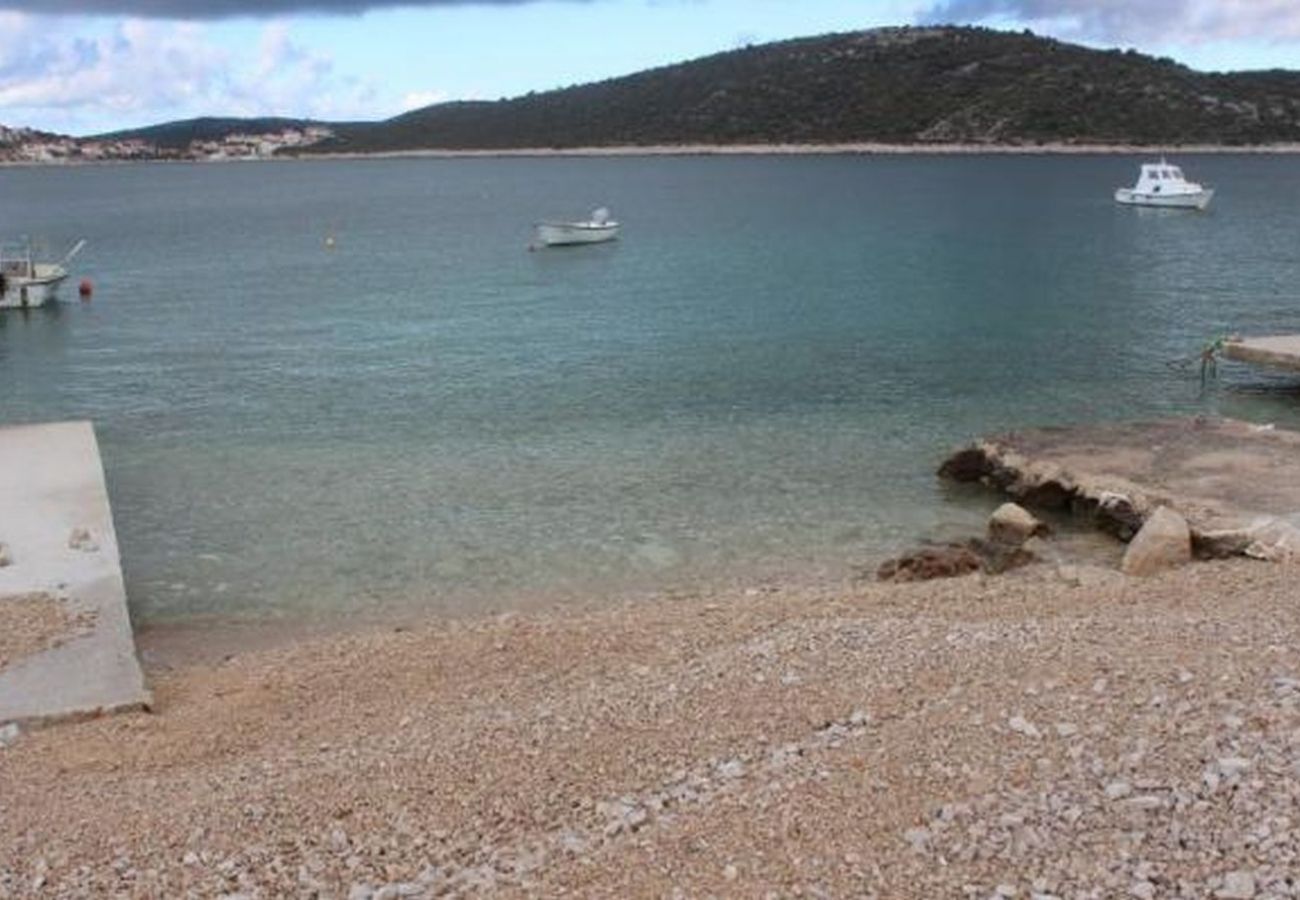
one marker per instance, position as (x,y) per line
(654,150)
(848,149)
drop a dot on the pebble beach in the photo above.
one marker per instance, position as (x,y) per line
(1060,731)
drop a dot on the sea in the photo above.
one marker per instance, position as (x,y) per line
(347,388)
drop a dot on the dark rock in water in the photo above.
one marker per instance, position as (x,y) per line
(968,465)
(945,561)
(1048,495)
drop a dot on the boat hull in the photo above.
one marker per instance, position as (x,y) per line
(563,234)
(1188,200)
(30,293)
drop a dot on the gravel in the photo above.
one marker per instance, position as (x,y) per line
(30,623)
(1025,736)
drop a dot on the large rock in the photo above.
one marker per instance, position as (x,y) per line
(1163,542)
(1011,523)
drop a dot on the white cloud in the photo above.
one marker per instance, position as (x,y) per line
(419,99)
(1125,21)
(148,71)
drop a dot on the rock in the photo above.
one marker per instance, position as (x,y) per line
(1165,541)
(1013,524)
(1223,543)
(947,561)
(1237,886)
(1272,540)
(6,557)
(9,734)
(967,465)
(997,557)
(1116,514)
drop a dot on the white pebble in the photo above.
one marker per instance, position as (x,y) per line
(1021,725)
(1237,886)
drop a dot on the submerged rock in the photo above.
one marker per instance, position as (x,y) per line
(1165,541)
(956,559)
(946,561)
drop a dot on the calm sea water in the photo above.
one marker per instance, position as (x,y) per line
(760,377)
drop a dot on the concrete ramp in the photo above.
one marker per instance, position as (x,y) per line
(1279,352)
(66,646)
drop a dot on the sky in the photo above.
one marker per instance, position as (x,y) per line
(88,66)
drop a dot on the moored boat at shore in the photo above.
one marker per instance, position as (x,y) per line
(598,229)
(1162,185)
(26,283)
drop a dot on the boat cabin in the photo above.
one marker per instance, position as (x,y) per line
(1159,178)
(16,261)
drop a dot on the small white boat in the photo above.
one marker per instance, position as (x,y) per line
(26,283)
(599,228)
(1160,184)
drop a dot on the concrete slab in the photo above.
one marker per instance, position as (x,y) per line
(1237,484)
(67,647)
(1278,352)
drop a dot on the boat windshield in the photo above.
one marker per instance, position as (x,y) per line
(16,260)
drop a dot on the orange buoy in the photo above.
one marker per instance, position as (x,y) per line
(86,289)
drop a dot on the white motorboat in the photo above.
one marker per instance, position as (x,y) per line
(1160,184)
(599,228)
(26,283)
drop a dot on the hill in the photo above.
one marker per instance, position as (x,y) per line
(894,85)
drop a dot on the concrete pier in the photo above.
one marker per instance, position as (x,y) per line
(1279,352)
(66,646)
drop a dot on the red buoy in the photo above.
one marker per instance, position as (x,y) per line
(86,288)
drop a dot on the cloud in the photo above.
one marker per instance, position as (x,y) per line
(1125,21)
(420,99)
(148,71)
(223,9)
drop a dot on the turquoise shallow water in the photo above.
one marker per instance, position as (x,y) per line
(760,377)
